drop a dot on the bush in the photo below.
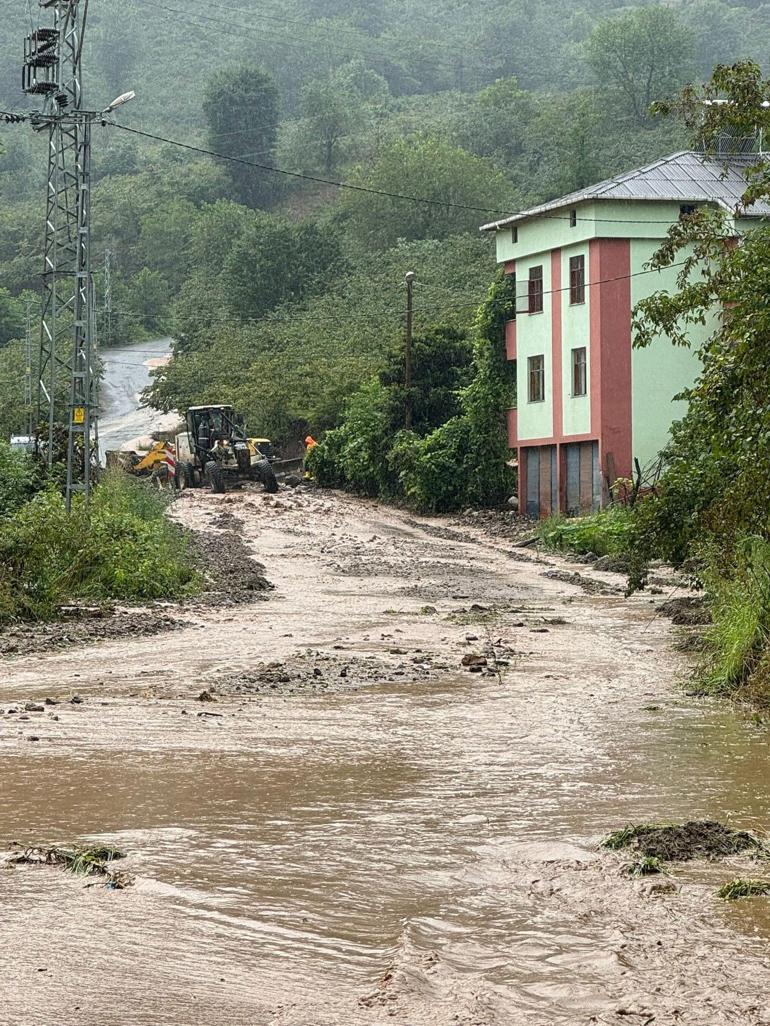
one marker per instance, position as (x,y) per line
(606,533)
(464,462)
(122,547)
(19,479)
(738,586)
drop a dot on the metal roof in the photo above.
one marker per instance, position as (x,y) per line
(686,177)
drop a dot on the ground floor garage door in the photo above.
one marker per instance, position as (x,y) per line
(584,479)
(542,492)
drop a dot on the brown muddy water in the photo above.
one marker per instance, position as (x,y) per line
(416,849)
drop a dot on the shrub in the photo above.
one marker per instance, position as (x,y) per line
(122,547)
(19,479)
(606,533)
(738,585)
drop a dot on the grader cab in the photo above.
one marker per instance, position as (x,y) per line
(214,450)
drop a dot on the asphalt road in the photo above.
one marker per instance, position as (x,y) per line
(126,373)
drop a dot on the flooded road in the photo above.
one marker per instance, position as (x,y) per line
(126,372)
(378,835)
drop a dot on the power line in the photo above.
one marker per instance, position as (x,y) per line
(309,178)
(447,204)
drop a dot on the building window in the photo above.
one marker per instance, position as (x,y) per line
(687,208)
(536,289)
(573,218)
(514,235)
(536,367)
(577,280)
(579,372)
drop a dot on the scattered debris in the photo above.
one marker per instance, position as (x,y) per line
(588,584)
(687,611)
(740,888)
(90,861)
(698,839)
(645,866)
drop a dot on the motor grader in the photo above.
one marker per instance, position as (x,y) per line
(215,451)
(211,450)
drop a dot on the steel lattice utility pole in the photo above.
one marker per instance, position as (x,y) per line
(52,70)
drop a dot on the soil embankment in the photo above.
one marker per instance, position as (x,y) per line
(376,796)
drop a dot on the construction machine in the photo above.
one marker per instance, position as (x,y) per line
(214,450)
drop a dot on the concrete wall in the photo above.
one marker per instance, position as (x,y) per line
(576,332)
(663,370)
(533,338)
(611,219)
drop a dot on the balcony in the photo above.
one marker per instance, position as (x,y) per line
(513,429)
(510,339)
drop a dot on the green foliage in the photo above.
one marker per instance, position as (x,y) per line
(744,888)
(122,547)
(712,503)
(432,169)
(12,317)
(737,582)
(334,112)
(610,532)
(645,54)
(465,461)
(369,451)
(241,110)
(19,479)
(645,866)
(294,370)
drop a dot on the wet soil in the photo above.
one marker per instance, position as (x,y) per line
(702,839)
(231,575)
(377,797)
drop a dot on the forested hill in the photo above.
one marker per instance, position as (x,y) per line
(167,49)
(294,283)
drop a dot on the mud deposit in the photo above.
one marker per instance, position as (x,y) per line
(377,797)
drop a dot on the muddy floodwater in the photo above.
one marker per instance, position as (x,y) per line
(360,830)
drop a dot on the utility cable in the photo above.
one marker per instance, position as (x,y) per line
(445,204)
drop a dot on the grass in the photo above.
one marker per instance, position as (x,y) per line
(742,888)
(606,533)
(625,838)
(120,547)
(736,645)
(81,861)
(646,866)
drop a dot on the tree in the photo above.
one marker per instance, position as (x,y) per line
(275,261)
(444,179)
(335,110)
(644,55)
(715,486)
(12,317)
(241,110)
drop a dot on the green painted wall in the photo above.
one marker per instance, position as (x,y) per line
(606,219)
(661,371)
(533,338)
(576,330)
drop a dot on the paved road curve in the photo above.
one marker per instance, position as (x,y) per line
(126,373)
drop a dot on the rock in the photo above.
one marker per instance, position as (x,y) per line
(76,700)
(612,564)
(292,480)
(474,660)
(206,696)
(513,502)
(33,707)
(51,701)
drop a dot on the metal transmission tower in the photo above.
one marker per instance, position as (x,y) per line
(52,70)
